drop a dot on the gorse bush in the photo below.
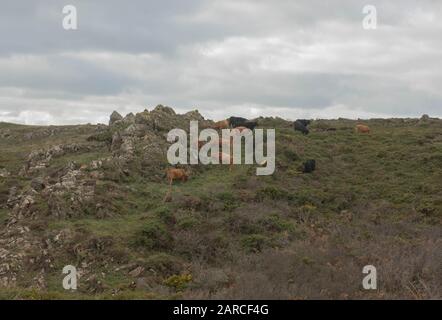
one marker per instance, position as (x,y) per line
(178,282)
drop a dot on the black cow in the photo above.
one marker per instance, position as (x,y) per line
(309,166)
(250,124)
(299,126)
(237,122)
(304,122)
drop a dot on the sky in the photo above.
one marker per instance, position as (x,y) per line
(292,59)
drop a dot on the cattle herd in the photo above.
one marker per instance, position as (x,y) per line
(235,122)
(241,124)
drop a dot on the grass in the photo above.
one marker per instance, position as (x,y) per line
(374,199)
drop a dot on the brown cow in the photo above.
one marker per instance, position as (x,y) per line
(361,128)
(223,124)
(176,174)
(201,143)
(240,129)
(221,142)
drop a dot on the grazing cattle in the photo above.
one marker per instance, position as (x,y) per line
(221,142)
(223,124)
(225,141)
(176,174)
(240,129)
(361,128)
(309,166)
(250,124)
(299,126)
(201,143)
(237,121)
(304,122)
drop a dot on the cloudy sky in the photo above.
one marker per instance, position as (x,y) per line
(225,57)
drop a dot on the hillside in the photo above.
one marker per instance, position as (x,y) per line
(92,196)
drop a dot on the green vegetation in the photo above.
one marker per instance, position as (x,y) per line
(374,199)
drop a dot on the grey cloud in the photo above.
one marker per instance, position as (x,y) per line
(293,57)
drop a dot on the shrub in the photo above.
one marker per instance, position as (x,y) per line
(186,223)
(254,242)
(306,213)
(163,263)
(228,199)
(178,282)
(275,223)
(164,214)
(273,193)
(241,224)
(291,155)
(154,235)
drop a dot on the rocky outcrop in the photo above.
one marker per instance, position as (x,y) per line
(115,117)
(163,119)
(38,184)
(52,190)
(38,134)
(72,196)
(40,159)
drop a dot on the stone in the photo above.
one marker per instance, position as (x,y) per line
(4,173)
(114,117)
(164,109)
(136,272)
(194,115)
(129,118)
(143,283)
(116,141)
(38,184)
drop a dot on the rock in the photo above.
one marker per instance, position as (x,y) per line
(144,283)
(143,118)
(94,285)
(13,198)
(72,195)
(40,159)
(425,119)
(115,116)
(136,272)
(4,173)
(96,164)
(38,184)
(24,206)
(164,109)
(129,118)
(194,115)
(136,129)
(127,147)
(116,141)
